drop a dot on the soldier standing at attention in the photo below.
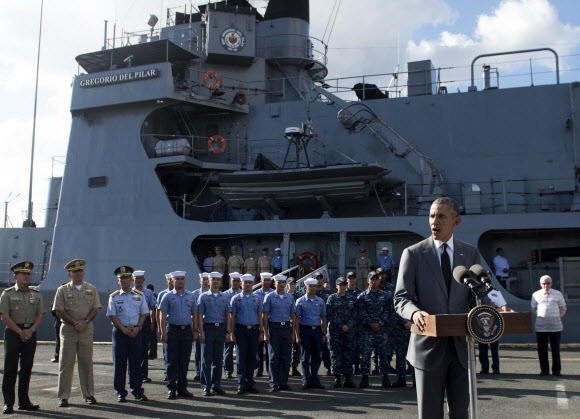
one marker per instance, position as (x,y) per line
(375,314)
(341,316)
(208,261)
(353,290)
(266,280)
(179,329)
(159,330)
(76,303)
(387,263)
(214,330)
(291,289)
(279,332)
(363,267)
(235,261)
(203,287)
(324,293)
(235,288)
(127,310)
(251,264)
(139,279)
(246,312)
(277,261)
(311,326)
(22,310)
(265,261)
(219,261)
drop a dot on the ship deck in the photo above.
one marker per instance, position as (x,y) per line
(517,392)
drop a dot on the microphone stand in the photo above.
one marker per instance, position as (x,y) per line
(471,368)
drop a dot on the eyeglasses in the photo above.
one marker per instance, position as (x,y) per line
(546,283)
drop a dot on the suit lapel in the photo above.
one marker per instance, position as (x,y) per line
(430,254)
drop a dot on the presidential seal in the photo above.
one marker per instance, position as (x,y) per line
(233,40)
(485,324)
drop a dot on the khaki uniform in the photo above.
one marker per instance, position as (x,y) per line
(251,266)
(22,307)
(235,263)
(363,267)
(75,344)
(219,264)
(265,264)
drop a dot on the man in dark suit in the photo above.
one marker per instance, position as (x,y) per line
(422,289)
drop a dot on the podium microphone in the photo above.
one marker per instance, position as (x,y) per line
(479,274)
(463,276)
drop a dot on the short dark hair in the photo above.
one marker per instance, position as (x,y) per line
(450,202)
(498,250)
(150,287)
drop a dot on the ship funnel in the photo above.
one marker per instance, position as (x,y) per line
(277,9)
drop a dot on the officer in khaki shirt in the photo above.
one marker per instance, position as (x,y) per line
(22,310)
(265,261)
(235,261)
(219,261)
(251,264)
(77,304)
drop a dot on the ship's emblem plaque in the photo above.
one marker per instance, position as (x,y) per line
(233,40)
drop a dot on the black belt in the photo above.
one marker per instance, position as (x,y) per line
(253,327)
(180,327)
(213,324)
(280,323)
(25,325)
(310,327)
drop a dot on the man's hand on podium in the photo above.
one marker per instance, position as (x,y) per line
(419,320)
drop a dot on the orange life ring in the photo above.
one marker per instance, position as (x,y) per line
(208,77)
(212,144)
(313,262)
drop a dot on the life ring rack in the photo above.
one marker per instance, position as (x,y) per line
(313,262)
(216,144)
(208,77)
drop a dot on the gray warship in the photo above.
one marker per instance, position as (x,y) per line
(223,129)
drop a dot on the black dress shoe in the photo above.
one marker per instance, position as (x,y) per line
(165,379)
(295,372)
(241,390)
(196,378)
(146,379)
(28,406)
(185,393)
(90,400)
(401,382)
(219,391)
(285,387)
(7,410)
(484,372)
(54,360)
(229,375)
(62,403)
(259,374)
(141,397)
(207,392)
(121,399)
(317,386)
(275,388)
(305,386)
(543,373)
(252,389)
(392,370)
(171,395)
(496,371)
(557,374)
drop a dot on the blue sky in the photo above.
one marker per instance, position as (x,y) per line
(364,40)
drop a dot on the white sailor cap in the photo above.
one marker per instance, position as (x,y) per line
(215,275)
(385,248)
(167,276)
(277,249)
(205,275)
(311,281)
(247,277)
(280,277)
(138,273)
(235,275)
(266,275)
(177,274)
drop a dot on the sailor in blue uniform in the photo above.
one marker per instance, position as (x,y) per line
(215,329)
(139,280)
(266,281)
(279,311)
(178,322)
(203,287)
(277,261)
(235,288)
(159,298)
(387,262)
(311,321)
(127,310)
(246,312)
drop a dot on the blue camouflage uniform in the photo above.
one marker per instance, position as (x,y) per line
(214,309)
(229,346)
(146,331)
(178,308)
(247,309)
(280,309)
(374,307)
(127,307)
(356,332)
(325,294)
(259,370)
(310,312)
(341,311)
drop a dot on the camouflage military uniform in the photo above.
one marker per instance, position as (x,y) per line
(341,311)
(325,294)
(355,334)
(374,307)
(398,341)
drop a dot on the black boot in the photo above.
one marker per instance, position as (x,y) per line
(401,382)
(337,381)
(375,370)
(348,381)
(295,372)
(357,369)
(364,382)
(386,382)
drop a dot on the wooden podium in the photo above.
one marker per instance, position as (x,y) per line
(456,324)
(442,325)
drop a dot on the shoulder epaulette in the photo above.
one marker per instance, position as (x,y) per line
(34,289)
(114,293)
(138,292)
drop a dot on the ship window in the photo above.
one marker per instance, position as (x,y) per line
(98,182)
